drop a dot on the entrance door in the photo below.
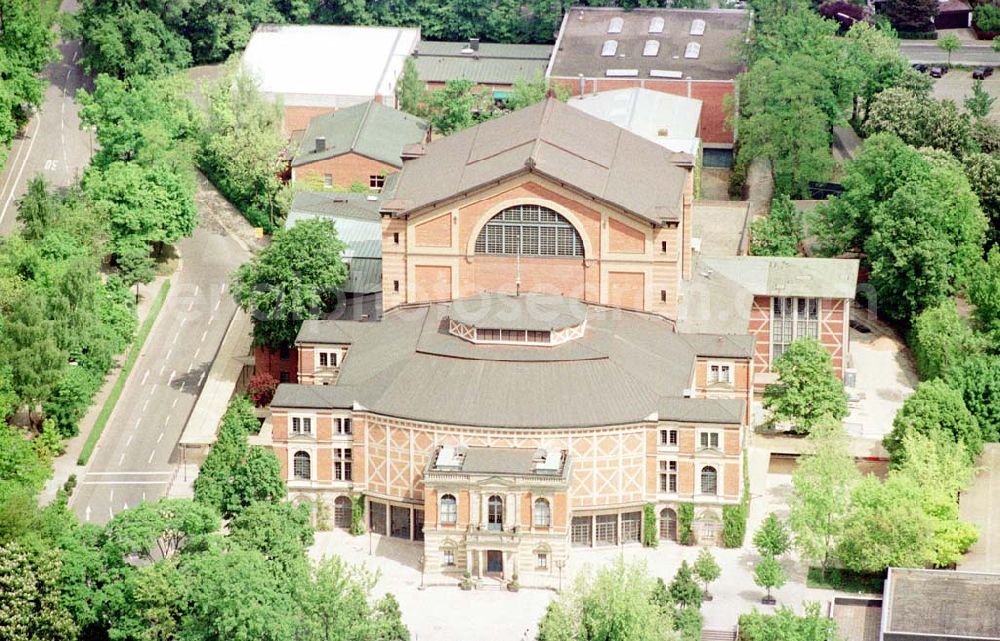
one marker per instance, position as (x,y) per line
(494,562)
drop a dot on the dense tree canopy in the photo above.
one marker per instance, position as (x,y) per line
(933,407)
(780,233)
(940,340)
(808,390)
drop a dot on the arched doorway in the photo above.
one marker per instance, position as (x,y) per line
(342,512)
(668,524)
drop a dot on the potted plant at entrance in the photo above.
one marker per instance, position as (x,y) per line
(466,582)
(513,585)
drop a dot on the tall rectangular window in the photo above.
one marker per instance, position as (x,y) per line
(720,373)
(709,440)
(342,464)
(301,425)
(668,476)
(791,319)
(668,438)
(342,425)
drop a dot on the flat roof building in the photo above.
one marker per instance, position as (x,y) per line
(489,64)
(940,605)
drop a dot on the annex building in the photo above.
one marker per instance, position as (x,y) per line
(534,383)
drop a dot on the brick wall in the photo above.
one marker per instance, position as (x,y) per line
(276,362)
(345,170)
(297,118)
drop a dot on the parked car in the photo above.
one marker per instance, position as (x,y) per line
(981,73)
(937,72)
(922,68)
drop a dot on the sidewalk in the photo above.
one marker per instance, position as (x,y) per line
(65,465)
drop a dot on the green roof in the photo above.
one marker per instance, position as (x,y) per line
(491,64)
(369,129)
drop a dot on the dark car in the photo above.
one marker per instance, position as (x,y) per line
(937,72)
(922,68)
(981,73)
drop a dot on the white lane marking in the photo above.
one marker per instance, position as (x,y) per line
(190,305)
(211,319)
(129,473)
(197,289)
(126,506)
(173,373)
(174,404)
(166,420)
(223,290)
(145,405)
(183,320)
(201,379)
(217,303)
(112,496)
(169,352)
(137,423)
(143,497)
(76,54)
(150,459)
(111,512)
(86,513)
(129,441)
(162,367)
(24,162)
(159,438)
(176,336)
(203,335)
(183,383)
(144,377)
(196,352)
(121,459)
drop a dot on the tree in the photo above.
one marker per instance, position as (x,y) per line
(165,526)
(706,568)
(912,15)
(980,102)
(920,120)
(807,389)
(28,347)
(940,340)
(280,531)
(996,44)
(935,406)
(261,388)
(23,467)
(458,105)
(949,43)
(135,264)
(821,494)
(769,574)
(886,527)
(984,294)
(125,41)
(785,625)
(983,172)
(290,280)
(772,539)
(37,209)
(337,606)
(26,46)
(978,378)
(614,604)
(525,93)
(258,478)
(876,54)
(780,233)
(684,590)
(32,607)
(411,93)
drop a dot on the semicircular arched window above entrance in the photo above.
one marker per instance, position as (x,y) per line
(529,230)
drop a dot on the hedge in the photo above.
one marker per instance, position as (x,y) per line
(685,523)
(650,536)
(358,515)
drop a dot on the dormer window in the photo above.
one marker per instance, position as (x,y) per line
(698,27)
(651,49)
(616,24)
(693,50)
(528,319)
(656,25)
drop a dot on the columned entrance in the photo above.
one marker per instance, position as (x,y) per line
(494,562)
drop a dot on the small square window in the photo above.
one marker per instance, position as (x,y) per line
(395,285)
(328,181)
(283,377)
(542,561)
(376,181)
(448,557)
(710,440)
(720,373)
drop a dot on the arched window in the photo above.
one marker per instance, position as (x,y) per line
(449,509)
(529,230)
(668,524)
(542,514)
(302,466)
(494,513)
(709,480)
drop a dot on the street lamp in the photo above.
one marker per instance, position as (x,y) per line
(561,563)
(423,563)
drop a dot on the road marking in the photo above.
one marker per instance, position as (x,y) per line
(203,335)
(174,404)
(38,124)
(137,423)
(144,377)
(76,54)
(129,473)
(162,367)
(86,513)
(201,379)
(166,420)
(217,303)
(111,512)
(182,385)
(169,352)
(173,373)
(143,497)
(190,367)
(176,336)
(211,319)
(112,496)
(129,441)
(146,404)
(196,352)
(124,482)
(196,289)
(223,290)
(190,305)
(121,459)
(183,320)
(126,505)
(158,439)
(150,459)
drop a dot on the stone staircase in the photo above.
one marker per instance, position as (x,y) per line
(718,635)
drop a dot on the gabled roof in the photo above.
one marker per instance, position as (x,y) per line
(491,63)
(585,153)
(369,129)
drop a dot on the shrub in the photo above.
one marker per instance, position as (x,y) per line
(987,18)
(650,539)
(685,523)
(734,525)
(358,515)
(941,339)
(261,388)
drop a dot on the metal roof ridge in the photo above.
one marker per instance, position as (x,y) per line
(362,125)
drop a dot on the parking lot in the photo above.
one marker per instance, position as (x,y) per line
(957,85)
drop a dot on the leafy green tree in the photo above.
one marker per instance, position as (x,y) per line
(688,622)
(125,40)
(69,400)
(876,55)
(706,568)
(980,102)
(769,574)
(614,604)
(135,263)
(940,340)
(978,378)
(780,233)
(684,590)
(411,92)
(785,625)
(935,406)
(213,486)
(279,531)
(387,620)
(984,294)
(912,15)
(31,607)
(23,468)
(807,390)
(164,527)
(289,281)
(242,148)
(458,105)
(886,526)
(258,478)
(526,92)
(37,209)
(821,496)
(996,44)
(26,46)
(920,120)
(983,172)
(773,538)
(8,398)
(949,43)
(29,348)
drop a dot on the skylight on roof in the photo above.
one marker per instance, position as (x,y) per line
(665,73)
(621,73)
(651,49)
(698,27)
(616,24)
(693,50)
(610,48)
(656,25)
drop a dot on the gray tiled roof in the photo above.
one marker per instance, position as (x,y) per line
(941,604)
(492,64)
(369,129)
(536,312)
(626,364)
(314,396)
(729,411)
(585,30)
(608,163)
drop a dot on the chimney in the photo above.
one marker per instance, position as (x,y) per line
(320,143)
(474,44)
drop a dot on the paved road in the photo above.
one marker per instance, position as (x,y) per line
(969,54)
(137,454)
(52,144)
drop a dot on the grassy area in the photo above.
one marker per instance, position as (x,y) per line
(116,391)
(845,581)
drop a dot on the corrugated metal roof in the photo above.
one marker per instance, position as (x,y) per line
(607,163)
(369,129)
(365,276)
(492,64)
(627,363)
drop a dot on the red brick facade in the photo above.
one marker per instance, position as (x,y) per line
(344,171)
